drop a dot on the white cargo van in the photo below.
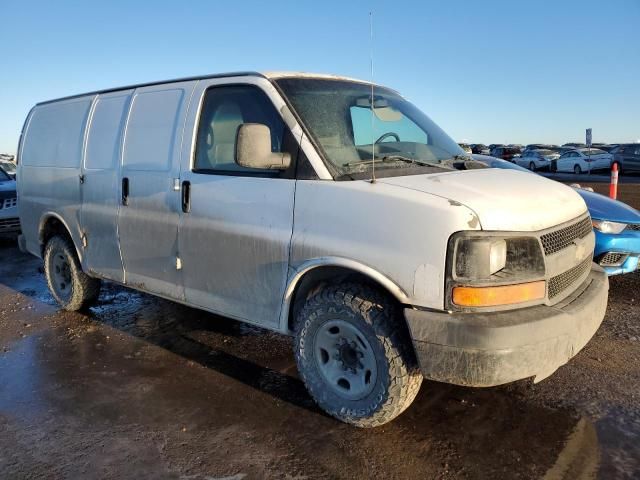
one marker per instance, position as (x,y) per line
(321,207)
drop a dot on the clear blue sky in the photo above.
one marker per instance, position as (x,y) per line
(486,71)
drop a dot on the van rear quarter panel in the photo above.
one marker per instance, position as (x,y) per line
(49,168)
(400,233)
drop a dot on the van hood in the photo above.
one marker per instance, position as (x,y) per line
(502,199)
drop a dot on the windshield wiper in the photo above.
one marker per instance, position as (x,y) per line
(457,158)
(398,158)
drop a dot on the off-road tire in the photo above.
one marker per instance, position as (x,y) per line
(379,319)
(83,290)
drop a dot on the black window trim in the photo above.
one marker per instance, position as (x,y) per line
(329,166)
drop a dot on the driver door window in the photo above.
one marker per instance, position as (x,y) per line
(224,110)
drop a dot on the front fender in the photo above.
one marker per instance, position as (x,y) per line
(294,279)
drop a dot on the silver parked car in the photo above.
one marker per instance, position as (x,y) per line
(583,160)
(539,159)
(321,207)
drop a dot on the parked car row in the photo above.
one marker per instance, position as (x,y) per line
(571,157)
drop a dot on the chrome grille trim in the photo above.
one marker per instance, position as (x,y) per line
(9,224)
(560,239)
(613,259)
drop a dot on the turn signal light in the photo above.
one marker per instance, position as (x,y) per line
(500,295)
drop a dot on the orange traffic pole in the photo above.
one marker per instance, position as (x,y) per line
(613,186)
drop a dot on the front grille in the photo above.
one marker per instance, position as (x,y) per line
(9,224)
(612,259)
(553,242)
(634,226)
(560,283)
(8,203)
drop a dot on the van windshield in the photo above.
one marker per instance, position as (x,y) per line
(344,124)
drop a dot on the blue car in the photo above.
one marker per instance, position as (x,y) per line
(617,228)
(616,225)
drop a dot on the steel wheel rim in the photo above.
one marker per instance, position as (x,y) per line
(61,275)
(345,359)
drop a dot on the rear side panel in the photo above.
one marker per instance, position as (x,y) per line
(49,170)
(101,186)
(148,223)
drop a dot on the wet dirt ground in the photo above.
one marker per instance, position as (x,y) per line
(140,387)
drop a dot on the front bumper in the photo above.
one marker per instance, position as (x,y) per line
(625,242)
(9,225)
(487,349)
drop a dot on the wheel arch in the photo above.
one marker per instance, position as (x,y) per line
(314,273)
(52,224)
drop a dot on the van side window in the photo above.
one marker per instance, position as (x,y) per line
(223,111)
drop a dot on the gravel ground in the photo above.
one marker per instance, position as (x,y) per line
(141,387)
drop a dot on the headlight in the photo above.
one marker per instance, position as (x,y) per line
(606,226)
(489,270)
(480,257)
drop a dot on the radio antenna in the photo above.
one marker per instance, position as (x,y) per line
(373,138)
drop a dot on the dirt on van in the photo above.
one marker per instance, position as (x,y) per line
(140,387)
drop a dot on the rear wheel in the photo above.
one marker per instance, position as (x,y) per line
(355,356)
(70,286)
(577,170)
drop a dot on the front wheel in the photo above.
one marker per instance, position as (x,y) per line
(577,170)
(70,286)
(355,356)
(532,167)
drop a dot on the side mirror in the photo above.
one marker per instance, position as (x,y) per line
(253,149)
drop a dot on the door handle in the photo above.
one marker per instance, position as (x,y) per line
(125,191)
(186,196)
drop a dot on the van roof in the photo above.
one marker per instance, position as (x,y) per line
(276,75)
(270,75)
